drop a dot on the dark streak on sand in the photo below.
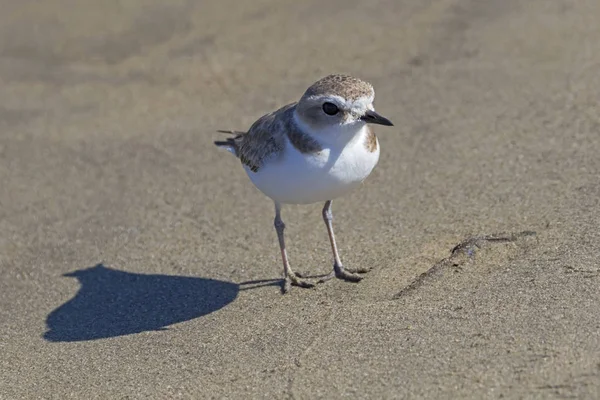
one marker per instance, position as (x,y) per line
(460,254)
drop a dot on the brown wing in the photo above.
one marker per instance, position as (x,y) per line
(264,138)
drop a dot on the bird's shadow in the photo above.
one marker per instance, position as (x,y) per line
(114,303)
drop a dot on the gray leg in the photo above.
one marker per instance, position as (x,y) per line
(290,278)
(338,269)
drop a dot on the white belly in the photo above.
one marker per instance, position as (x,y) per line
(298,178)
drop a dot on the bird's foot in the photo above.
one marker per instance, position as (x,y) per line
(346,274)
(295,280)
(358,270)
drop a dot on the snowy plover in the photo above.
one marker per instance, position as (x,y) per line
(314,150)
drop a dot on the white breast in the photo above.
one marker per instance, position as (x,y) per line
(297,178)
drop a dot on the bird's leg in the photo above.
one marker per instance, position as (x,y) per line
(338,269)
(290,278)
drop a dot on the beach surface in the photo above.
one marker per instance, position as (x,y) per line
(138,261)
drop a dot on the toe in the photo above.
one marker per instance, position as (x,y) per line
(359,270)
(303,283)
(285,288)
(342,273)
(327,277)
(347,276)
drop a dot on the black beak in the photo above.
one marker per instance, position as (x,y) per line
(371,117)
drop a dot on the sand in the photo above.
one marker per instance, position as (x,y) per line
(138,261)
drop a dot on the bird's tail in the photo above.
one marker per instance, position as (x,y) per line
(229,144)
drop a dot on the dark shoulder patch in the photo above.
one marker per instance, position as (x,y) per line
(301,141)
(371,140)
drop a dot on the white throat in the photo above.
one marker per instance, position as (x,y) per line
(333,136)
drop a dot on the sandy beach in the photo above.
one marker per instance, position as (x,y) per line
(138,261)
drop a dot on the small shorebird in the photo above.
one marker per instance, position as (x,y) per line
(313,150)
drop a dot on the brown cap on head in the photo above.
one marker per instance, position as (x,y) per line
(345,86)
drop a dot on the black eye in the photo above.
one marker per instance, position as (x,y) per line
(330,108)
